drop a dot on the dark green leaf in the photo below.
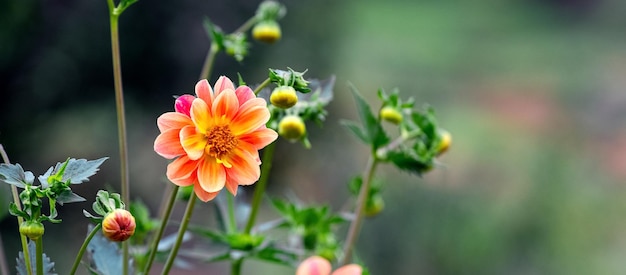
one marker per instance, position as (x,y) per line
(16,212)
(409,162)
(216,34)
(67,196)
(376,134)
(48,266)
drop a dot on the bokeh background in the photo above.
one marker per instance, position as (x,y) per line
(533,92)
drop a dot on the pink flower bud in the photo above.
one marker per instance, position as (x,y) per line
(183,104)
(118,225)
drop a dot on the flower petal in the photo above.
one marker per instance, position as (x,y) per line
(211,175)
(172,120)
(204,195)
(314,265)
(192,142)
(351,269)
(182,171)
(167,144)
(231,185)
(182,104)
(225,105)
(244,93)
(252,115)
(201,115)
(223,83)
(260,137)
(204,91)
(245,164)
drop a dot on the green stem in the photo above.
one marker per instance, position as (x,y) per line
(165,217)
(266,166)
(236,267)
(181,233)
(263,84)
(84,247)
(39,255)
(247,25)
(16,200)
(231,224)
(355,225)
(121,117)
(209,60)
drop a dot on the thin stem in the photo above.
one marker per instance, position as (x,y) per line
(4,267)
(231,224)
(84,247)
(266,166)
(121,118)
(236,267)
(16,200)
(355,225)
(247,25)
(39,255)
(181,233)
(263,84)
(165,217)
(209,60)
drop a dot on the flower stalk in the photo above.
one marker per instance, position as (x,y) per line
(266,166)
(84,247)
(164,219)
(355,225)
(16,200)
(181,233)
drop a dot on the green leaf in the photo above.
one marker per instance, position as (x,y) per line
(105,256)
(14,174)
(409,162)
(67,196)
(48,266)
(216,34)
(276,255)
(77,171)
(356,129)
(94,219)
(375,133)
(16,212)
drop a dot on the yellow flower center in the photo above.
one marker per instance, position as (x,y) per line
(220,141)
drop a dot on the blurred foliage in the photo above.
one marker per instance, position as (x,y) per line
(533,92)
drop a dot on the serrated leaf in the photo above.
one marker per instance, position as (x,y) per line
(77,171)
(356,129)
(14,174)
(105,255)
(375,132)
(67,196)
(48,266)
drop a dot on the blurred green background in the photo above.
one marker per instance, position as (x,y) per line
(533,92)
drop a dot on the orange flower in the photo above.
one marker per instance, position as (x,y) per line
(316,265)
(215,138)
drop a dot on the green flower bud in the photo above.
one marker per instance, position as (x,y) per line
(292,127)
(284,97)
(374,206)
(267,31)
(391,114)
(32,229)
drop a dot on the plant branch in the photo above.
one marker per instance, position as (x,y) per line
(39,255)
(231,224)
(209,61)
(266,166)
(263,84)
(16,200)
(84,247)
(165,217)
(355,225)
(181,233)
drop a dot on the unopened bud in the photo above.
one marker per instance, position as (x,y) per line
(284,97)
(118,225)
(32,229)
(267,31)
(391,114)
(445,141)
(292,127)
